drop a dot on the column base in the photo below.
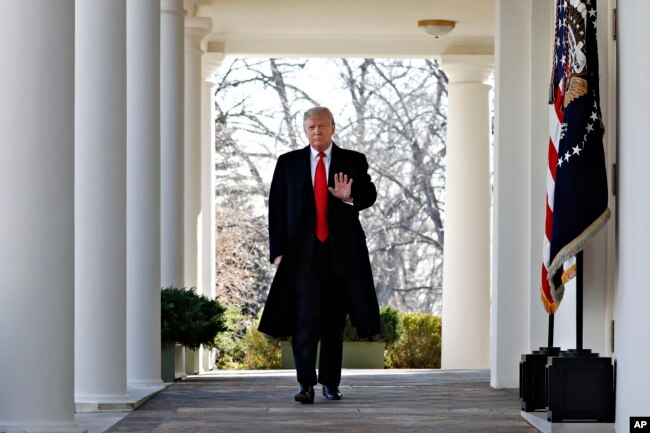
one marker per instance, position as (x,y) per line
(104,403)
(143,384)
(64,427)
(136,397)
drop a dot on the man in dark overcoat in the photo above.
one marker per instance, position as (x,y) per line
(319,248)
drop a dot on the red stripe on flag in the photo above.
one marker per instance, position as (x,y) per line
(547,298)
(552,158)
(548,224)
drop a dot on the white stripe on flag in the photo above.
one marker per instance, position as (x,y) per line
(546,255)
(555,128)
(550,189)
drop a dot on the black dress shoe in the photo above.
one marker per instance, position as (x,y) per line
(332,393)
(305,394)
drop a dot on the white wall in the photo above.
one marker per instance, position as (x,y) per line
(632,293)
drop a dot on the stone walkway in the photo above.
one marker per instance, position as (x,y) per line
(373,401)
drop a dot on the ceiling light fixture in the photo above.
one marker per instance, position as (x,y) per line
(436,28)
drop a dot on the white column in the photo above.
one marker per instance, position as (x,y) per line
(520,146)
(100,202)
(143,193)
(195,30)
(542,15)
(632,350)
(210,65)
(36,226)
(511,214)
(466,271)
(171,142)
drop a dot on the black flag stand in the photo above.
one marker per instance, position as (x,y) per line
(579,302)
(580,383)
(532,373)
(579,350)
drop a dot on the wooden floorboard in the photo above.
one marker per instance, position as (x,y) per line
(373,401)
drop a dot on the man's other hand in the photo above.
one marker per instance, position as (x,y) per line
(277,261)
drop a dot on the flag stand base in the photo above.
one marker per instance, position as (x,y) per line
(539,421)
(580,387)
(532,378)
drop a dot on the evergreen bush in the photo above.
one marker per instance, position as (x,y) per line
(419,342)
(262,351)
(190,319)
(231,344)
(412,341)
(389,317)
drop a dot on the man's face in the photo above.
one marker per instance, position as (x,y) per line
(319,131)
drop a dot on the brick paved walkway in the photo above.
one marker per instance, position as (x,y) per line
(373,401)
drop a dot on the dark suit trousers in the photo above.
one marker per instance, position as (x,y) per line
(321,310)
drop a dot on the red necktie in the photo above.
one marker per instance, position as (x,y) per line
(320,196)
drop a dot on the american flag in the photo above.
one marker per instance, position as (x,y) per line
(576,180)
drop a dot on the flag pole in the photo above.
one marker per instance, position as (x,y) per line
(579,297)
(551,327)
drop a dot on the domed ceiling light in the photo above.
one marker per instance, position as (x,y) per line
(436,28)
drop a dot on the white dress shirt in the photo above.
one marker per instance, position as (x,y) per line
(326,159)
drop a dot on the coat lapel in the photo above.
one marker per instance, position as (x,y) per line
(304,177)
(305,168)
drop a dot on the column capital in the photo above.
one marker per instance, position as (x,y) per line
(462,68)
(190,7)
(172,7)
(210,64)
(196,28)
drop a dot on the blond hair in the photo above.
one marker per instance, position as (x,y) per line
(316,112)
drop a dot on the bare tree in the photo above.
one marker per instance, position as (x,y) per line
(242,272)
(394,112)
(399,121)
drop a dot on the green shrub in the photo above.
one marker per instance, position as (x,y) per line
(389,317)
(418,345)
(230,344)
(189,319)
(389,324)
(242,346)
(261,351)
(412,341)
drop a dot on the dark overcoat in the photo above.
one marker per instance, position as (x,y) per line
(291,235)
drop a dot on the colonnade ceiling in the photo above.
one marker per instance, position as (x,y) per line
(345,28)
